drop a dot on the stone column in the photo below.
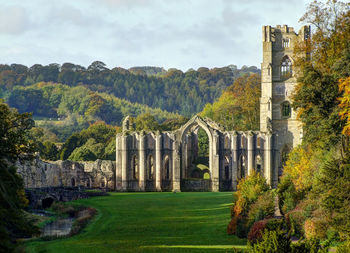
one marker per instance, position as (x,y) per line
(268,155)
(142,159)
(234,164)
(250,150)
(176,167)
(215,163)
(158,162)
(277,163)
(118,164)
(124,162)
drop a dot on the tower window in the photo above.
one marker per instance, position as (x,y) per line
(286,109)
(286,67)
(285,43)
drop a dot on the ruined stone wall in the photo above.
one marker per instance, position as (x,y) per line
(38,173)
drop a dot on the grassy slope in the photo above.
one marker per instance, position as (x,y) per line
(152,222)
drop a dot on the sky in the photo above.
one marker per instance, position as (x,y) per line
(179,34)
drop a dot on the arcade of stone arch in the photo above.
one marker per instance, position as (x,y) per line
(162,161)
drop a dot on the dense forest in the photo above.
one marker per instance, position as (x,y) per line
(70,101)
(172,90)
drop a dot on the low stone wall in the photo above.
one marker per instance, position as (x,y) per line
(196,185)
(38,174)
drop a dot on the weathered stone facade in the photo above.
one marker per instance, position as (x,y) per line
(160,161)
(278,80)
(38,173)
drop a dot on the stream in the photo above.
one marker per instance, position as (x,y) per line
(56,228)
(59,227)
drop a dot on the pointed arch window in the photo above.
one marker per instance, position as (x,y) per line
(135,168)
(286,109)
(286,67)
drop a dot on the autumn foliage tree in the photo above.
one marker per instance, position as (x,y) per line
(344,105)
(317,91)
(314,188)
(238,106)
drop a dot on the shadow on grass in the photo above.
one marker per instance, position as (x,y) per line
(203,247)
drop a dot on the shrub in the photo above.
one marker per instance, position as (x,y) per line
(256,231)
(272,241)
(287,194)
(248,191)
(63,209)
(295,222)
(315,228)
(308,246)
(344,248)
(263,208)
(242,229)
(232,226)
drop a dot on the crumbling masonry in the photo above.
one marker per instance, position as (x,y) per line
(162,161)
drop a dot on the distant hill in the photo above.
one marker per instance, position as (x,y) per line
(64,110)
(172,90)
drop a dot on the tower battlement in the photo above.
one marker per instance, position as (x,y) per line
(278,80)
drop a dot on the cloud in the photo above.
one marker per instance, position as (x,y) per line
(14,20)
(129,4)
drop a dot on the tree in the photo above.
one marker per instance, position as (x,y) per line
(49,151)
(344,86)
(147,122)
(14,143)
(82,154)
(316,94)
(238,106)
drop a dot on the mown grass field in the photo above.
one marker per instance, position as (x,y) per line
(152,222)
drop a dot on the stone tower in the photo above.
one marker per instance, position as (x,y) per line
(278,80)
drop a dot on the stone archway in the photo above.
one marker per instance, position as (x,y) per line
(191,127)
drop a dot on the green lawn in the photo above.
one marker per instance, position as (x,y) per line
(152,222)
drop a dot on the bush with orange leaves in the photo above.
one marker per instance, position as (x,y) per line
(248,191)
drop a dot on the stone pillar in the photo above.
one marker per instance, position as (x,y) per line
(176,167)
(250,150)
(124,150)
(275,169)
(118,164)
(142,159)
(268,155)
(158,162)
(215,163)
(234,164)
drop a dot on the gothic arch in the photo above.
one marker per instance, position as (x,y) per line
(166,168)
(259,167)
(226,175)
(135,167)
(73,182)
(242,166)
(286,67)
(150,167)
(191,126)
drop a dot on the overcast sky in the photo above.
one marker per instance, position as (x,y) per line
(167,33)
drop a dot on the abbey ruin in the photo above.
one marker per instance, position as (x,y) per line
(162,161)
